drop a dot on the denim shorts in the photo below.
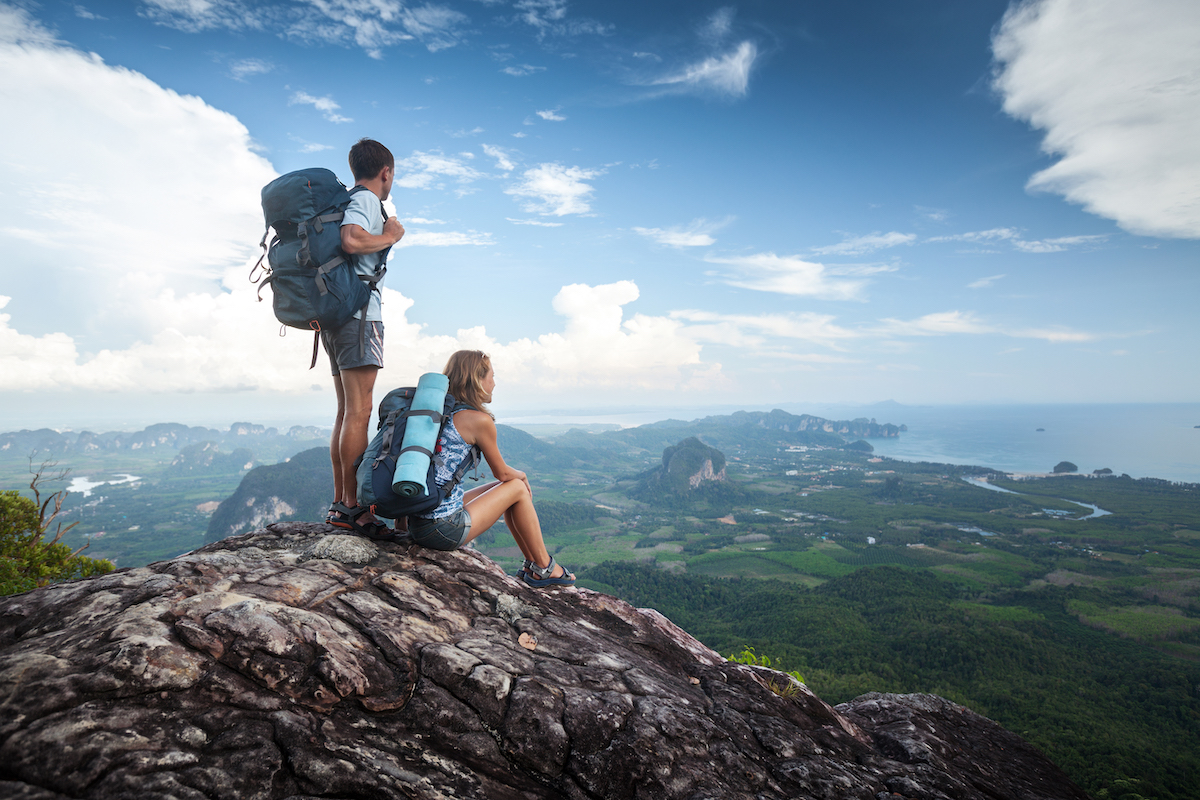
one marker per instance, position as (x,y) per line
(447,533)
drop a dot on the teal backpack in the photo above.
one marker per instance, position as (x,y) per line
(380,487)
(313,281)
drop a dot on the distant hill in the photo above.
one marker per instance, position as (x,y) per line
(267,444)
(298,489)
(690,476)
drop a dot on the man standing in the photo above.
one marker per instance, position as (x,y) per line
(366,235)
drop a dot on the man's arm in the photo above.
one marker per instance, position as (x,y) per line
(356,241)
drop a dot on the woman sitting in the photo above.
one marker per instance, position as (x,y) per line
(465,515)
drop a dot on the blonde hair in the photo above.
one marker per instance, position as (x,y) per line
(466,370)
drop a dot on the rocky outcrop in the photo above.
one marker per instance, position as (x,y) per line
(294,663)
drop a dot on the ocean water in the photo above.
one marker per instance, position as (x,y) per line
(1142,440)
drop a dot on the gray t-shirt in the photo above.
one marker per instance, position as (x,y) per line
(364,211)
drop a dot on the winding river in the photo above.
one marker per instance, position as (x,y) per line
(983,483)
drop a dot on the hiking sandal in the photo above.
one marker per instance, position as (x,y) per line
(538,577)
(352,519)
(332,515)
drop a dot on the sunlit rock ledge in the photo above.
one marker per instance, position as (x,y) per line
(292,662)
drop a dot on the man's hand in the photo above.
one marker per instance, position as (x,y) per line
(393,229)
(356,240)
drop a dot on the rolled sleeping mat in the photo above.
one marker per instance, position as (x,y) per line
(420,435)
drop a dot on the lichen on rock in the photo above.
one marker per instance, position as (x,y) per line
(292,662)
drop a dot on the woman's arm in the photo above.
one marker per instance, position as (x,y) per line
(479,429)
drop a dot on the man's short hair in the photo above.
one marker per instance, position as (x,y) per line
(368,157)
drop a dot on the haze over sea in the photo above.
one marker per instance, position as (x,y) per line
(1145,440)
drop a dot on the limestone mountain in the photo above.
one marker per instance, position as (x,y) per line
(292,662)
(300,488)
(685,466)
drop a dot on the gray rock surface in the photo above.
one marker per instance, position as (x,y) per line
(263,667)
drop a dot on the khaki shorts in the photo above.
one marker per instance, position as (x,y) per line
(342,346)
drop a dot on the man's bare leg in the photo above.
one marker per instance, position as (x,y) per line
(358,384)
(335,441)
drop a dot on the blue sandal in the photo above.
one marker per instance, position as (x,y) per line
(538,577)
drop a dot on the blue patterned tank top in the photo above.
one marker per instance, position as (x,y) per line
(452,451)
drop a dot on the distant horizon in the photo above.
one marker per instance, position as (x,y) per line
(596,415)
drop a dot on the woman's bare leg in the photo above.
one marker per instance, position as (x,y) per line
(510,499)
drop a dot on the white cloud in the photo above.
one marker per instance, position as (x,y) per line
(937,324)
(325,105)
(858,245)
(105,227)
(1056,245)
(551,115)
(503,162)
(463,133)
(718,25)
(370,24)
(751,330)
(697,234)
(791,275)
(430,170)
(1115,87)
(416,238)
(194,16)
(83,13)
(424,221)
(556,190)
(550,17)
(227,343)
(985,283)
(958,322)
(522,70)
(728,74)
(246,67)
(537,222)
(1013,236)
(992,235)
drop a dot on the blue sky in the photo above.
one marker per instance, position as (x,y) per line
(627,204)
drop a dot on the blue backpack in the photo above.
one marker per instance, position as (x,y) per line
(376,468)
(314,282)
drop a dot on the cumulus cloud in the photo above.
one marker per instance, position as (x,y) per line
(325,105)
(104,224)
(555,190)
(228,342)
(1115,87)
(551,115)
(697,234)
(858,245)
(791,275)
(728,74)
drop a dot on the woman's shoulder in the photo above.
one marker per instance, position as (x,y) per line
(471,422)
